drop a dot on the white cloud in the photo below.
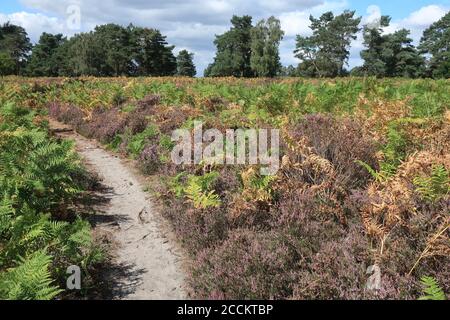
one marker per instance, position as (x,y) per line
(35,23)
(374,13)
(425,16)
(294,23)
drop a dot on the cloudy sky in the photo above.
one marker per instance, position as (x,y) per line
(192,24)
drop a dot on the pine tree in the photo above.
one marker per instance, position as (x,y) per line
(325,53)
(233,50)
(389,55)
(44,60)
(436,42)
(153,56)
(15,47)
(185,64)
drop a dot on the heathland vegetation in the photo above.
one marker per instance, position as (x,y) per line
(359,208)
(363,183)
(40,180)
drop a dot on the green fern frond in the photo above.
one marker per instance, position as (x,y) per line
(379,176)
(197,189)
(6,214)
(434,187)
(31,280)
(431,289)
(201,199)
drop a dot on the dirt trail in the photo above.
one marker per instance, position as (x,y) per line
(149,266)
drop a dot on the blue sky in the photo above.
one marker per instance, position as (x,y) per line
(10,6)
(192,24)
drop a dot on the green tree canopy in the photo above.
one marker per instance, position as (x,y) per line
(7,64)
(185,64)
(84,56)
(436,42)
(389,55)
(266,37)
(152,55)
(113,45)
(108,50)
(233,50)
(325,53)
(44,60)
(15,46)
(374,64)
(289,71)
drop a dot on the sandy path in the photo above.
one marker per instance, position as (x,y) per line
(149,265)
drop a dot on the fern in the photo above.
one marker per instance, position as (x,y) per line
(378,176)
(394,153)
(80,234)
(395,149)
(31,280)
(176,185)
(257,187)
(36,177)
(137,143)
(202,199)
(436,186)
(6,214)
(206,181)
(431,289)
(197,189)
(199,192)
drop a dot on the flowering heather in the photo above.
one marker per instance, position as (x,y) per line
(363,182)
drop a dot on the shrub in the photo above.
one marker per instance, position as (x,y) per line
(148,102)
(337,270)
(137,122)
(196,231)
(68,114)
(248,265)
(105,124)
(353,191)
(342,142)
(138,119)
(136,143)
(149,161)
(411,236)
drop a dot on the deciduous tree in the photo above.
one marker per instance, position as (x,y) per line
(265,57)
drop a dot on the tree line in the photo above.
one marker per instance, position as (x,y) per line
(246,50)
(109,50)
